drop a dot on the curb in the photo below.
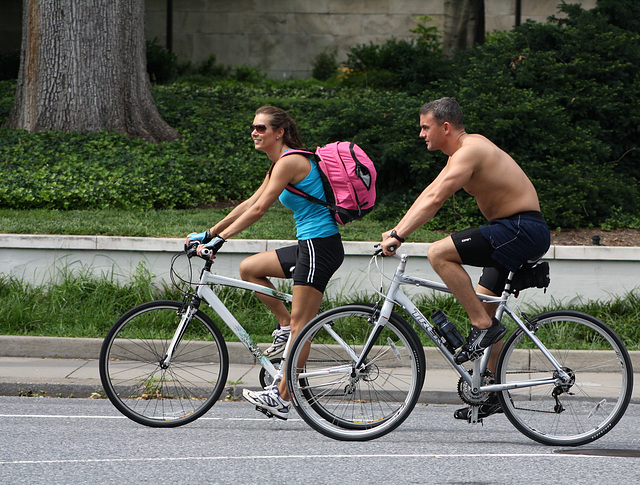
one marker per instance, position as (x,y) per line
(86,348)
(49,389)
(89,348)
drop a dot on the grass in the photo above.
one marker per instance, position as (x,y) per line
(277,223)
(77,304)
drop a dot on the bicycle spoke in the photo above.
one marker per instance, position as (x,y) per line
(582,410)
(152,392)
(347,403)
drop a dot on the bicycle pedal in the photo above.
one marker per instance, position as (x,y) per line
(470,420)
(476,355)
(265,412)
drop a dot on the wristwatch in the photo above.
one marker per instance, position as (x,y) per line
(394,235)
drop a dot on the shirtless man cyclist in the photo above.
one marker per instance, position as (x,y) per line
(516,233)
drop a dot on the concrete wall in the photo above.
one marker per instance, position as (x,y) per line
(577,272)
(283,37)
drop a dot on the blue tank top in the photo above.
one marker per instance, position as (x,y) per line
(312,220)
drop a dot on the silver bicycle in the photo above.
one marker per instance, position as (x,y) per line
(165,363)
(356,371)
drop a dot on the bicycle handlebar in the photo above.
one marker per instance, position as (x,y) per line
(207,253)
(191,250)
(378,251)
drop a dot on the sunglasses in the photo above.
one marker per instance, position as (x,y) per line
(259,128)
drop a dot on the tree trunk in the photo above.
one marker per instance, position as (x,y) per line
(463,25)
(83,68)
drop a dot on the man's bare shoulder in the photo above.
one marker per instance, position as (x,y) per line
(474,147)
(476,140)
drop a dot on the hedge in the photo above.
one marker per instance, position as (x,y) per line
(560,96)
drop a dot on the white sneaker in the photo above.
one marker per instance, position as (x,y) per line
(280,340)
(269,402)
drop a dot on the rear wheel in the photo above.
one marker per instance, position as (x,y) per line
(348,403)
(581,410)
(146,390)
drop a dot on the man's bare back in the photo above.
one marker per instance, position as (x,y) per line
(499,185)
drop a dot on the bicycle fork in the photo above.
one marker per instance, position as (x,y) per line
(187,312)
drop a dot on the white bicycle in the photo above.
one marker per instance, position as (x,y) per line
(165,363)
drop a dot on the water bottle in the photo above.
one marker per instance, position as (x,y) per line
(448,330)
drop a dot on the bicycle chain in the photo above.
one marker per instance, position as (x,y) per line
(527,409)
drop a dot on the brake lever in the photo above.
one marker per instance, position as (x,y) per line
(190,249)
(379,251)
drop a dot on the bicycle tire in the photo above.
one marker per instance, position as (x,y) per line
(138,386)
(582,412)
(349,405)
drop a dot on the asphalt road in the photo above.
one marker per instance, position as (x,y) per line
(55,441)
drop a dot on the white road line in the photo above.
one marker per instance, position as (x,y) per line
(40,416)
(72,416)
(299,457)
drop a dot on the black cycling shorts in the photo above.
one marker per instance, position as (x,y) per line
(512,241)
(312,262)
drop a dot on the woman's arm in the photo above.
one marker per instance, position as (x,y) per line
(291,169)
(239,209)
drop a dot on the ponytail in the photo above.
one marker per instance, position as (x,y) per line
(280,119)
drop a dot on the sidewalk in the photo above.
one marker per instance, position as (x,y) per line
(59,367)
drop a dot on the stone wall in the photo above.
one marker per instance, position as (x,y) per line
(283,37)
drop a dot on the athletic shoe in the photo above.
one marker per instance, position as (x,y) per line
(478,340)
(280,340)
(489,407)
(269,402)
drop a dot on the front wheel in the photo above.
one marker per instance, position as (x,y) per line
(581,410)
(348,403)
(149,391)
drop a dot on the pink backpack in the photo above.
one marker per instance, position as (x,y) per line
(349,179)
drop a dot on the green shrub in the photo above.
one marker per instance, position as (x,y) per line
(560,97)
(210,68)
(325,65)
(215,161)
(408,65)
(249,74)
(592,66)
(162,65)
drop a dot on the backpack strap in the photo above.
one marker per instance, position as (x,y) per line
(292,151)
(299,192)
(310,198)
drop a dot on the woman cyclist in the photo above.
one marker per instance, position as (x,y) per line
(311,263)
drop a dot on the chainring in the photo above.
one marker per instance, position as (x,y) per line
(467,397)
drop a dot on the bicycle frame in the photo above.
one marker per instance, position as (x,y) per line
(204,292)
(395,295)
